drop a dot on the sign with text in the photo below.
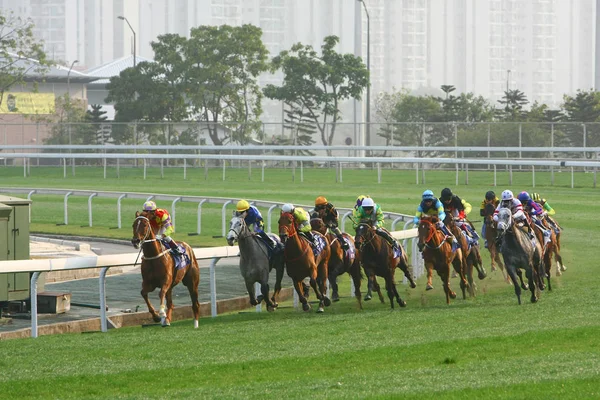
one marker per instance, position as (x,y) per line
(27,103)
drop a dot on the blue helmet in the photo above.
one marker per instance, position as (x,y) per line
(523,197)
(428,195)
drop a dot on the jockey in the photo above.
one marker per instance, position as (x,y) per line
(329,215)
(369,211)
(253,218)
(459,209)
(355,214)
(536,212)
(516,208)
(490,198)
(549,210)
(431,206)
(302,221)
(160,220)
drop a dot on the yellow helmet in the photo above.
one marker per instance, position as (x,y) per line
(242,205)
(359,199)
(320,201)
(536,197)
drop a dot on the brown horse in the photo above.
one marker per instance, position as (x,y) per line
(490,237)
(377,258)
(471,256)
(438,255)
(555,238)
(301,263)
(340,261)
(552,247)
(158,271)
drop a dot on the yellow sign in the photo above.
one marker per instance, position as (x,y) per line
(27,103)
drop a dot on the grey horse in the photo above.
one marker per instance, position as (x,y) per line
(255,265)
(519,252)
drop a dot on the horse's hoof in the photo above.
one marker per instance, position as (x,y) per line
(368,297)
(335,297)
(563,267)
(165,322)
(306,307)
(534,299)
(452,295)
(270,308)
(482,275)
(494,268)
(413,285)
(195,324)
(259,299)
(558,272)
(320,310)
(156,318)
(326,301)
(402,303)
(429,287)
(525,286)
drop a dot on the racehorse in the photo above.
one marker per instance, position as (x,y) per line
(301,262)
(553,247)
(438,255)
(158,271)
(471,256)
(340,261)
(519,252)
(378,258)
(490,237)
(255,263)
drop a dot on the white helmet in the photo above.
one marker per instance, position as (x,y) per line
(287,208)
(368,202)
(507,195)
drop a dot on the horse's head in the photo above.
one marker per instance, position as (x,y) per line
(237,225)
(504,220)
(426,230)
(142,230)
(317,224)
(488,213)
(286,226)
(364,234)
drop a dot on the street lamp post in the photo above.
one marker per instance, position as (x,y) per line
(132,31)
(368,116)
(507,80)
(69,77)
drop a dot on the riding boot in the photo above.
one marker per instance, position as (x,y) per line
(268,241)
(340,237)
(311,238)
(175,247)
(389,239)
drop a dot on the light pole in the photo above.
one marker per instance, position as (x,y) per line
(69,78)
(368,119)
(507,80)
(132,31)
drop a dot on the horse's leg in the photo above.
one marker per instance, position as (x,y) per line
(524,286)
(335,296)
(162,313)
(444,274)
(460,267)
(429,268)
(318,286)
(403,265)
(389,288)
(170,306)
(299,286)
(251,292)
(147,288)
(530,278)
(559,262)
(264,289)
(370,278)
(472,260)
(513,276)
(356,279)
(377,288)
(191,281)
(481,274)
(279,270)
(502,268)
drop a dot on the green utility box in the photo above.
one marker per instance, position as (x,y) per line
(14,245)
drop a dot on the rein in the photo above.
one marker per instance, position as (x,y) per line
(145,240)
(295,233)
(430,235)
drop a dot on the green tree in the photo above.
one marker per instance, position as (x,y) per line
(319,82)
(414,116)
(96,116)
(18,48)
(583,107)
(513,102)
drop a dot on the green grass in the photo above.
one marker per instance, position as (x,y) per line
(486,347)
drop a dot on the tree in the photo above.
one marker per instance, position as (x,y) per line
(583,107)
(412,113)
(513,101)
(20,52)
(318,83)
(96,116)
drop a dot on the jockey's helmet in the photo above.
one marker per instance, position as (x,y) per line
(428,195)
(368,204)
(523,197)
(242,205)
(536,197)
(490,195)
(446,194)
(359,200)
(320,201)
(507,195)
(287,208)
(149,206)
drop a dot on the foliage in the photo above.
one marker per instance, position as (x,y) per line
(20,52)
(513,101)
(583,107)
(318,83)
(96,116)
(69,124)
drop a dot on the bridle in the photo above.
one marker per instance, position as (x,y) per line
(367,228)
(147,232)
(238,235)
(430,235)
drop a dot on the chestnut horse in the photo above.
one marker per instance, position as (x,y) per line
(300,261)
(340,261)
(552,248)
(438,255)
(158,271)
(471,256)
(377,258)
(490,237)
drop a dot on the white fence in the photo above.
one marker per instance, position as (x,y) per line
(121,260)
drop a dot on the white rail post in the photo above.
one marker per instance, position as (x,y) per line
(173,211)
(224,217)
(64,168)
(213,287)
(121,197)
(344,217)
(67,207)
(34,307)
(274,206)
(29,198)
(90,207)
(185,169)
(144,169)
(102,283)
(199,226)
(257,290)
